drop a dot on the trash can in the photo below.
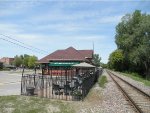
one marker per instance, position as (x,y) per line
(30,90)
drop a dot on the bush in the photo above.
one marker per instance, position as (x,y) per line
(1,65)
(102,81)
(5,69)
(133,74)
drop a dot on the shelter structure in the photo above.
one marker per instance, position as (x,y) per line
(64,58)
(66,74)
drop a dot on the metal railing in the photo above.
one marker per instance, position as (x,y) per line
(65,86)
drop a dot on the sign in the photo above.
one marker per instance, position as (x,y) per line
(63,63)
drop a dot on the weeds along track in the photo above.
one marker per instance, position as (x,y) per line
(138,99)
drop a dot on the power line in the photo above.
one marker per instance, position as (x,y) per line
(20,45)
(24,43)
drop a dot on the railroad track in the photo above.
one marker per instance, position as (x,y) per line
(138,99)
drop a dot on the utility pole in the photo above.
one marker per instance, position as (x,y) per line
(93,48)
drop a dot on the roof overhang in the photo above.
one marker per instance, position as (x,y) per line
(84,65)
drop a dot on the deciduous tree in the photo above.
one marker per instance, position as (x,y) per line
(32,61)
(133,38)
(116,60)
(96,60)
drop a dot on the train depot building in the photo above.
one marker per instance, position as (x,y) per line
(65,58)
(66,74)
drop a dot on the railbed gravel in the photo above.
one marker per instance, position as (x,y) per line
(135,83)
(107,100)
(114,101)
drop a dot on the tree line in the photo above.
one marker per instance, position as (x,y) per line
(25,60)
(1,65)
(96,60)
(133,44)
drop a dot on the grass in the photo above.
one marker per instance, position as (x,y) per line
(27,104)
(5,69)
(102,81)
(137,77)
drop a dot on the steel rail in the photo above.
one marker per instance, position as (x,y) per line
(144,93)
(125,93)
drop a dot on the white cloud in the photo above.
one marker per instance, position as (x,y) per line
(63,27)
(9,28)
(9,8)
(73,27)
(110,19)
(16,32)
(90,38)
(58,14)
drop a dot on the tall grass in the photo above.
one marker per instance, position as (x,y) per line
(137,77)
(102,81)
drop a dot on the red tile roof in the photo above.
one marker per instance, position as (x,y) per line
(69,54)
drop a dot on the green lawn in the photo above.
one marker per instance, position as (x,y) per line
(137,78)
(27,104)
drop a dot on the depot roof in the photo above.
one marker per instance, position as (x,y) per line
(69,54)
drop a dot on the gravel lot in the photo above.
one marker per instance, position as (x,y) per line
(10,82)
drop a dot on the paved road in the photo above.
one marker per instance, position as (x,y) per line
(9,83)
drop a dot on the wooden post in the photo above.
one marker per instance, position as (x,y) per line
(66,81)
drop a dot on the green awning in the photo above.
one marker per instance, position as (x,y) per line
(64,64)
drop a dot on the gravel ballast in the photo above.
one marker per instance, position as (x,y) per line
(114,101)
(104,100)
(135,83)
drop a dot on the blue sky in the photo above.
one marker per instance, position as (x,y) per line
(52,25)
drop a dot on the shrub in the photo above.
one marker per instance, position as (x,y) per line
(102,81)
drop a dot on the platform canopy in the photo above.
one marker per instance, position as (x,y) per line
(84,65)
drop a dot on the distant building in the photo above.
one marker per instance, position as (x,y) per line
(6,60)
